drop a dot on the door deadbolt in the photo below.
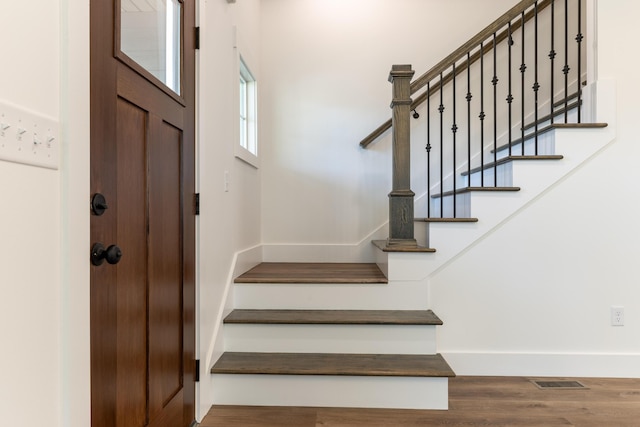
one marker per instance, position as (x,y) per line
(98,204)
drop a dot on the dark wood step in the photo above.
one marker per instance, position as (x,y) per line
(286,272)
(508,159)
(395,365)
(548,128)
(580,125)
(471,189)
(382,245)
(436,219)
(334,317)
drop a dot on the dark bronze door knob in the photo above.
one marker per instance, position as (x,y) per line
(99,254)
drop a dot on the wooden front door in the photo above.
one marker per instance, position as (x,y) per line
(142,162)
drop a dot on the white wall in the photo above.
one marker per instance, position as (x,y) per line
(44,221)
(229,221)
(29,227)
(325,66)
(75,399)
(534,297)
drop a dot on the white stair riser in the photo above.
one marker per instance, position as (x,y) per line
(373,339)
(391,296)
(331,391)
(463,206)
(503,172)
(545,146)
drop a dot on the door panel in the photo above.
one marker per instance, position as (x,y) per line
(131,270)
(147,95)
(165,266)
(143,162)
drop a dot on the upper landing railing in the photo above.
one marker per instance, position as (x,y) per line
(502,88)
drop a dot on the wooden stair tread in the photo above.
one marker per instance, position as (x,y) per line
(438,219)
(470,189)
(580,125)
(303,272)
(334,317)
(382,245)
(508,159)
(396,365)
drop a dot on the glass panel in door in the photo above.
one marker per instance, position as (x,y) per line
(150,35)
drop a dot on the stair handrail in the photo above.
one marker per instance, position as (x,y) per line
(456,55)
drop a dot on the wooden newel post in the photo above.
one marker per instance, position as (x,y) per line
(401,196)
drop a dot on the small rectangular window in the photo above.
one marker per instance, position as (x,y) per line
(248,110)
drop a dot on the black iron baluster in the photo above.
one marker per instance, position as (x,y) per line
(579,38)
(469,96)
(510,96)
(523,68)
(428,148)
(494,82)
(552,56)
(566,68)
(441,110)
(536,85)
(454,129)
(481,116)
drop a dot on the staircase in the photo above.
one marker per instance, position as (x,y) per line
(301,335)
(360,334)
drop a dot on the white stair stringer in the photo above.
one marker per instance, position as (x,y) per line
(533,177)
(576,145)
(332,391)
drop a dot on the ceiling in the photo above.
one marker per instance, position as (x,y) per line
(142,5)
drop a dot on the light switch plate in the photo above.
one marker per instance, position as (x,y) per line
(28,137)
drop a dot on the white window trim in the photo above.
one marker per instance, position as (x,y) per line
(242,68)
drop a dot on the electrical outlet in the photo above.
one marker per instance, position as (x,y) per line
(617,316)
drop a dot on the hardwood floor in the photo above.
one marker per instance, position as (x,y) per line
(473,401)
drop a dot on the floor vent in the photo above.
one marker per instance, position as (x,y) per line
(558,384)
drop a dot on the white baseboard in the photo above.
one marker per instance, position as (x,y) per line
(545,364)
(245,261)
(242,261)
